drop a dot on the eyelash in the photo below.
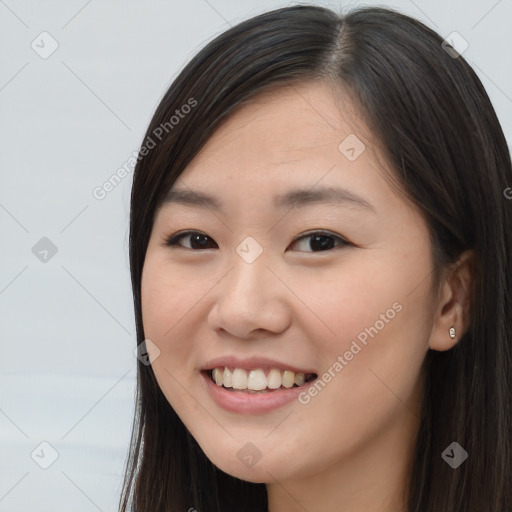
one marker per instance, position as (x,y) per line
(173,240)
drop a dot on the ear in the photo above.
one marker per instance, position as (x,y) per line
(453,303)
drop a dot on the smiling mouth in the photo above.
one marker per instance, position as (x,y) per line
(257,381)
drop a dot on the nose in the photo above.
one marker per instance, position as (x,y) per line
(250,301)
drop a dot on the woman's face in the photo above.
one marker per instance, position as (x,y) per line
(258,288)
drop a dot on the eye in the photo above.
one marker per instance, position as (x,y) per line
(319,241)
(197,240)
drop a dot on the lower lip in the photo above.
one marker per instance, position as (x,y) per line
(248,403)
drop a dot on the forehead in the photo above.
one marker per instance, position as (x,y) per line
(294,136)
(291,121)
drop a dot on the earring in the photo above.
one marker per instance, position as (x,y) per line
(452,332)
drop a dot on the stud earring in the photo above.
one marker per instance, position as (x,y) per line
(452,332)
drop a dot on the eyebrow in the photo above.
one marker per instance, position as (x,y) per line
(293,198)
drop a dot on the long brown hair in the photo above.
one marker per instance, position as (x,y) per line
(431,114)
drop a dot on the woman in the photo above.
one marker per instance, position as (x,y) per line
(319,248)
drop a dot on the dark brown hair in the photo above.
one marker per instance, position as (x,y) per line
(440,134)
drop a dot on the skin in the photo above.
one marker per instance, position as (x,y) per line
(350,447)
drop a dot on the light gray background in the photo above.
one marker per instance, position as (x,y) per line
(67,123)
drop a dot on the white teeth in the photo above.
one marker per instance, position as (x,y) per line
(256,380)
(288,379)
(227,378)
(239,379)
(274,379)
(217,377)
(300,378)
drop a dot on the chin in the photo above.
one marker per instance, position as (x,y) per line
(252,475)
(263,470)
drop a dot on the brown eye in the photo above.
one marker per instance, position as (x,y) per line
(319,241)
(196,240)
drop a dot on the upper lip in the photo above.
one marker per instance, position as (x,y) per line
(252,363)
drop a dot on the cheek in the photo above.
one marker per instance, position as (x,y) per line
(166,301)
(344,303)
(168,295)
(373,324)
